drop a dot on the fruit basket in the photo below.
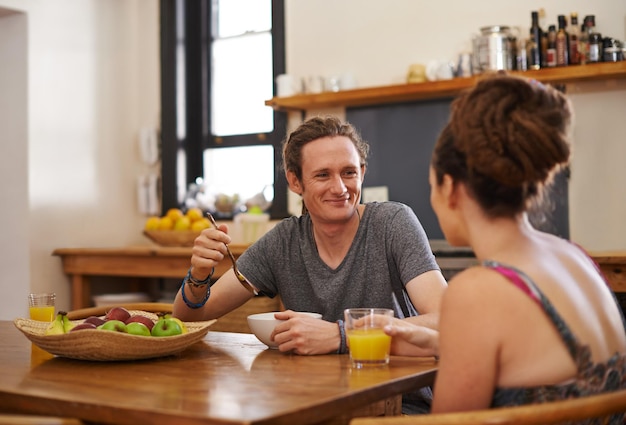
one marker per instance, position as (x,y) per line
(99,345)
(172,237)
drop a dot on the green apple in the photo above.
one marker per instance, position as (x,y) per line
(113,325)
(166,327)
(137,328)
(141,319)
(180,322)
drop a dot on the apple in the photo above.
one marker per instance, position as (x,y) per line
(117,313)
(140,319)
(95,320)
(113,325)
(166,327)
(137,328)
(177,320)
(84,325)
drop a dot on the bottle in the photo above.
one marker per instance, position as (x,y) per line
(583,45)
(562,42)
(594,50)
(522,55)
(534,42)
(574,39)
(551,50)
(595,47)
(544,49)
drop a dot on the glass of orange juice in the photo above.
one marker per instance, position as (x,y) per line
(368,344)
(41,306)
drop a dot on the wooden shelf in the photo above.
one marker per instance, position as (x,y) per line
(439,89)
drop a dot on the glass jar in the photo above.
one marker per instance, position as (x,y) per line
(612,50)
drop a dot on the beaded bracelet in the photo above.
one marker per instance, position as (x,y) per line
(198,283)
(343,346)
(189,303)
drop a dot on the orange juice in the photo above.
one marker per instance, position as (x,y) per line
(369,347)
(42,313)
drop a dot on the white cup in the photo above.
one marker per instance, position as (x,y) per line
(347,81)
(314,84)
(288,85)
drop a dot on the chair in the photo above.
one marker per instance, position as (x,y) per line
(83,313)
(596,406)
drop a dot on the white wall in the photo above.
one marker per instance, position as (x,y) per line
(14,243)
(93,82)
(377,41)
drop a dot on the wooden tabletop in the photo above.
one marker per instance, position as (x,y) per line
(228,378)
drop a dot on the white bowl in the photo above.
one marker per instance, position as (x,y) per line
(262,325)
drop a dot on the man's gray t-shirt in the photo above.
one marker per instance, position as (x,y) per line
(389,249)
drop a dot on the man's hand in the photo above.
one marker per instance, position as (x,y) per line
(305,335)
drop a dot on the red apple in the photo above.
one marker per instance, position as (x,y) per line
(84,325)
(95,320)
(141,319)
(117,313)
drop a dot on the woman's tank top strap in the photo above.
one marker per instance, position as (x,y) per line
(525,283)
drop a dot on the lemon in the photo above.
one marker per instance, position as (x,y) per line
(194,214)
(166,223)
(174,214)
(200,225)
(152,223)
(183,223)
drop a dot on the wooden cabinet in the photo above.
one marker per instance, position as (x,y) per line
(613,265)
(439,89)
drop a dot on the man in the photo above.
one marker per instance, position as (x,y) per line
(338,254)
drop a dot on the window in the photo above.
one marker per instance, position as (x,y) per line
(219,60)
(241,58)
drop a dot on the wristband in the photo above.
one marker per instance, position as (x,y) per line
(198,283)
(189,303)
(343,347)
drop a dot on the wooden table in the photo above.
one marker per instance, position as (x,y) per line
(150,261)
(228,378)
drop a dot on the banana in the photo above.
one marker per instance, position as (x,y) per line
(56,326)
(68,325)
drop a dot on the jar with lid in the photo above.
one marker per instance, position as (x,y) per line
(612,50)
(493,48)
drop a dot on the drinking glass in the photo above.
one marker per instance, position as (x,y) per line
(368,344)
(41,306)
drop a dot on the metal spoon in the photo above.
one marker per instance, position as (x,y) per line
(240,277)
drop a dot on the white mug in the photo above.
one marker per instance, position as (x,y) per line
(288,85)
(314,84)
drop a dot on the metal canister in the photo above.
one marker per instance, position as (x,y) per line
(493,49)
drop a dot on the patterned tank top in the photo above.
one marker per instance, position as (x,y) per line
(591,378)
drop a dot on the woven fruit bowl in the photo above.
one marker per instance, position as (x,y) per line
(100,345)
(172,237)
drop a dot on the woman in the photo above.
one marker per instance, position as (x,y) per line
(535,321)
